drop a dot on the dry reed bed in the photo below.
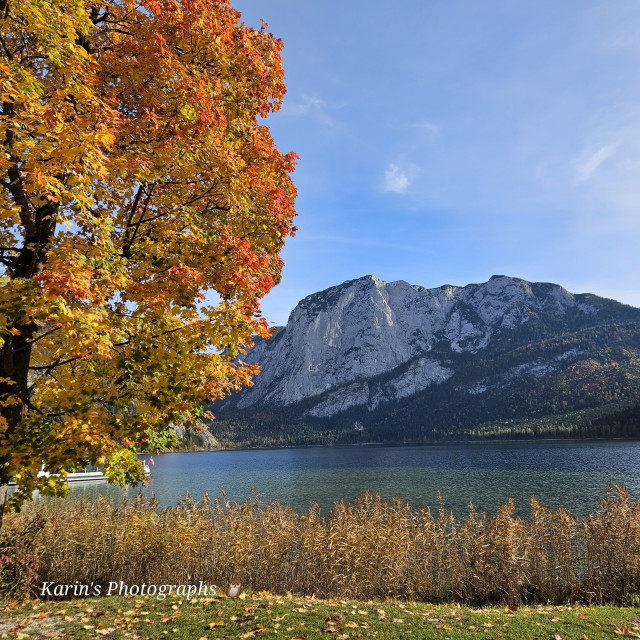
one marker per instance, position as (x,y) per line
(370,549)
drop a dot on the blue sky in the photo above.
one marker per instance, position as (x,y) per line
(442,142)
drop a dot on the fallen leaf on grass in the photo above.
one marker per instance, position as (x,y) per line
(217,623)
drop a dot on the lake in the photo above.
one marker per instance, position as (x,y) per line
(572,473)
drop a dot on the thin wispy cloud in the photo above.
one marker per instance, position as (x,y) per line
(589,163)
(308,105)
(314,108)
(395,179)
(430,128)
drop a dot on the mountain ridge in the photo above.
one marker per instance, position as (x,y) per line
(364,350)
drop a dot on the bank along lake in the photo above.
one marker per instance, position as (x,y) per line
(572,473)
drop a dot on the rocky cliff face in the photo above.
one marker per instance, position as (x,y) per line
(366,343)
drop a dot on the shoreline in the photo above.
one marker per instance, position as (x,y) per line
(403,444)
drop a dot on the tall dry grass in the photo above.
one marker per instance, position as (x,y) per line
(369,549)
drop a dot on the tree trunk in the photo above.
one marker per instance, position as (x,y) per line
(39,225)
(15,360)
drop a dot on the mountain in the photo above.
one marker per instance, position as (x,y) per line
(370,360)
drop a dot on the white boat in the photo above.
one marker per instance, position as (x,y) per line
(85,476)
(89,474)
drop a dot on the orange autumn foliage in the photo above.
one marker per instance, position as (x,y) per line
(143,207)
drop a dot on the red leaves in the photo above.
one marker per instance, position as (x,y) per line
(68,280)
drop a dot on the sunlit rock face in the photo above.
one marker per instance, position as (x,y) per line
(367,342)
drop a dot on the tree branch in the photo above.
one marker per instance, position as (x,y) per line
(54,365)
(42,335)
(128,242)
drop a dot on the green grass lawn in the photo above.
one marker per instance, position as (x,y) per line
(282,617)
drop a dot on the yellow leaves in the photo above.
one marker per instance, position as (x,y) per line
(107,139)
(624,631)
(82,52)
(189,112)
(10,400)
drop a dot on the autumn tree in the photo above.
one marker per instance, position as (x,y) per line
(143,207)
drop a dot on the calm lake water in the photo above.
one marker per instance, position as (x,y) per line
(574,474)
